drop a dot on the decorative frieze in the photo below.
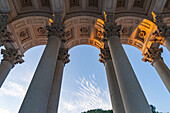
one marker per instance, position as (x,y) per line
(12,56)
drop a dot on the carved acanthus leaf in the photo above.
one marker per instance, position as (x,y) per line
(153,53)
(12,56)
(5,36)
(112,30)
(164,30)
(57,27)
(105,53)
(63,55)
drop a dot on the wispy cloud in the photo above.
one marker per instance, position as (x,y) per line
(89,96)
(12,89)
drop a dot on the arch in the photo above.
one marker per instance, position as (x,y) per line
(29,32)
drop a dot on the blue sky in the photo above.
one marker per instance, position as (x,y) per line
(84,84)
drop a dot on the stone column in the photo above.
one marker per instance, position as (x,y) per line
(11,57)
(36,99)
(132,95)
(57,80)
(167,43)
(163,31)
(154,56)
(116,99)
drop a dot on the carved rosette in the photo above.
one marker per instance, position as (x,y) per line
(12,56)
(104,55)
(152,54)
(63,55)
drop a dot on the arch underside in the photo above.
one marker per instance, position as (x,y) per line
(83,22)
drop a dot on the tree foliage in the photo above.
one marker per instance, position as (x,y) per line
(153,109)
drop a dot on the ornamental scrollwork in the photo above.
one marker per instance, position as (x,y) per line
(12,56)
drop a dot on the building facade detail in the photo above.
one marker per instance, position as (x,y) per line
(12,56)
(104,24)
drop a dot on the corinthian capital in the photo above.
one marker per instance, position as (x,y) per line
(112,30)
(153,53)
(12,56)
(3,18)
(63,55)
(57,27)
(163,29)
(5,36)
(105,53)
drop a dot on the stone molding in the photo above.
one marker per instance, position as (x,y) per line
(12,56)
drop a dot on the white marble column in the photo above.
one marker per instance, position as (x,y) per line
(57,80)
(116,99)
(10,58)
(132,95)
(36,99)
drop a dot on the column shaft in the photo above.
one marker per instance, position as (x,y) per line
(163,72)
(5,68)
(167,43)
(132,95)
(116,99)
(36,99)
(55,89)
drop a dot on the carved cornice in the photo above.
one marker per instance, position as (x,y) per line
(63,55)
(12,56)
(153,53)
